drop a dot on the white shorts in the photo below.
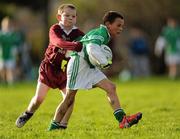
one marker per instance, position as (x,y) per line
(8,64)
(172,59)
(80,75)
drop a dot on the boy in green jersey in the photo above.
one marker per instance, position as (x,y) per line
(81,74)
(169,40)
(9,42)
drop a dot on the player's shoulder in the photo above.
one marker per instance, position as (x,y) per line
(101,30)
(77,30)
(55,27)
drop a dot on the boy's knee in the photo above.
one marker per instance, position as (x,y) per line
(111,87)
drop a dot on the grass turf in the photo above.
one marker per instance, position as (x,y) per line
(156,98)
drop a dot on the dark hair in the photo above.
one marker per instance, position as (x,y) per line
(111,16)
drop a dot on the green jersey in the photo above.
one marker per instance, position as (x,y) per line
(98,36)
(8,41)
(172,35)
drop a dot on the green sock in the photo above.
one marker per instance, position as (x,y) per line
(54,125)
(119,114)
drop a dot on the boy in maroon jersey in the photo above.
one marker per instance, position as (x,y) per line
(82,74)
(52,71)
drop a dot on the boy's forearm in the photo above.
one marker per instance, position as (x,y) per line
(57,40)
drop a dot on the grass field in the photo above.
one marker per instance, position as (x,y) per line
(157,98)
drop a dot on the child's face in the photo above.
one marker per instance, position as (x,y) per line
(116,27)
(68,17)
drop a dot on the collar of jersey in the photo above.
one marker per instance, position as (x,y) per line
(103,26)
(67,32)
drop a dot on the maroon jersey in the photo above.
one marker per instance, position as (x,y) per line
(52,71)
(60,42)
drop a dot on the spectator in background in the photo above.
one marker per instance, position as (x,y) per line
(8,50)
(169,41)
(24,62)
(138,53)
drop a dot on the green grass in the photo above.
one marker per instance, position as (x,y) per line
(157,98)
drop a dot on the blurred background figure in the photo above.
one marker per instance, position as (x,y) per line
(138,53)
(169,42)
(8,51)
(23,58)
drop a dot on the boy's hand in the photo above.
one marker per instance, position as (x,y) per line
(78,46)
(106,66)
